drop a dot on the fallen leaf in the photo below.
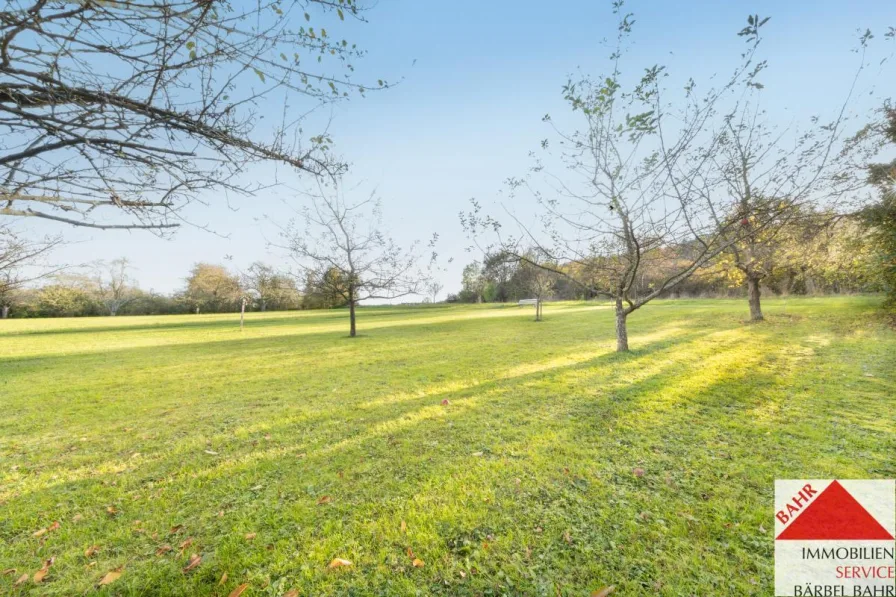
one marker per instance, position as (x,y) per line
(250,536)
(445,402)
(9,571)
(210,452)
(410,553)
(239,590)
(256,488)
(324,499)
(77,517)
(267,436)
(90,551)
(417,563)
(567,537)
(187,543)
(176,529)
(110,577)
(220,513)
(404,527)
(111,511)
(39,533)
(463,574)
(42,573)
(638,472)
(23,578)
(195,560)
(761,529)
(339,563)
(291,593)
(477,453)
(223,579)
(603,592)
(163,550)
(53,526)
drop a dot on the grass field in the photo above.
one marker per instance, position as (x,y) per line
(271,452)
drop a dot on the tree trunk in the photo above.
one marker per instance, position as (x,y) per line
(621,330)
(351,315)
(537,310)
(753,294)
(4,312)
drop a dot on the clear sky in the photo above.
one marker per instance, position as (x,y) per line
(475,80)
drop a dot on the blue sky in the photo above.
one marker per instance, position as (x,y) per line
(475,80)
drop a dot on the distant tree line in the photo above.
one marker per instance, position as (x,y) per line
(812,254)
(109,288)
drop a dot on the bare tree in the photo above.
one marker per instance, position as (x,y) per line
(259,281)
(115,289)
(540,280)
(116,114)
(433,289)
(772,180)
(23,261)
(342,249)
(626,202)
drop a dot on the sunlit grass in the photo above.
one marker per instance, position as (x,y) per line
(521,484)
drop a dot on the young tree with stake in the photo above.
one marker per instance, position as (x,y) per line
(342,248)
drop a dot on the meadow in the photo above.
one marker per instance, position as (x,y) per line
(447,450)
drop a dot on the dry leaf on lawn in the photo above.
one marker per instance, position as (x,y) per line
(223,579)
(291,593)
(603,592)
(250,536)
(163,550)
(42,573)
(339,563)
(195,560)
(39,532)
(91,551)
(23,578)
(404,526)
(417,563)
(110,577)
(187,543)
(239,590)
(9,571)
(324,499)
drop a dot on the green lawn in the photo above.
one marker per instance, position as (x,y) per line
(140,432)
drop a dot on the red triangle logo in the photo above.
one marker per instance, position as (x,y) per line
(835,514)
